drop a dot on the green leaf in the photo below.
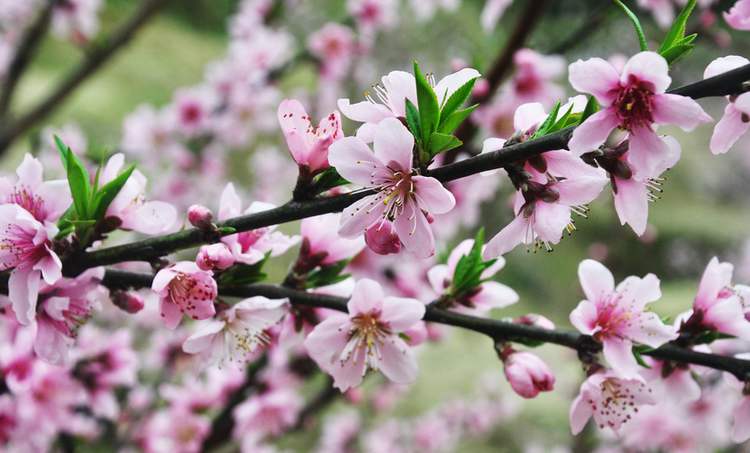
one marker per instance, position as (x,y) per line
(680,49)
(677,32)
(457,99)
(78,180)
(328,179)
(548,122)
(108,192)
(412,120)
(429,110)
(443,142)
(244,274)
(639,359)
(469,269)
(636,24)
(451,123)
(592,106)
(327,275)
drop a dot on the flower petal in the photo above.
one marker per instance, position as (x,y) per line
(394,144)
(432,196)
(595,76)
(647,67)
(596,280)
(593,132)
(678,110)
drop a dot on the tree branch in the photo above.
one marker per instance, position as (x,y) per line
(95,59)
(497,330)
(25,51)
(731,82)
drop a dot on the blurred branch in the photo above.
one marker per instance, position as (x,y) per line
(93,61)
(497,330)
(593,21)
(28,45)
(728,83)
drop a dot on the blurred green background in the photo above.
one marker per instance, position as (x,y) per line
(703,211)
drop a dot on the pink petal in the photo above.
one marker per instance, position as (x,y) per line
(724,64)
(651,331)
(494,295)
(401,313)
(51,268)
(367,297)
(528,116)
(596,280)
(631,204)
(30,172)
(203,337)
(729,129)
(584,317)
(230,204)
(358,216)
(741,423)
(593,132)
(400,86)
(580,191)
(647,152)
(294,124)
(716,277)
(508,238)
(56,196)
(397,361)
(619,355)
(450,83)
(23,291)
(393,145)
(580,413)
(364,112)
(356,162)
(349,373)
(595,76)
(50,344)
(437,275)
(647,67)
(414,231)
(432,196)
(327,340)
(681,111)
(550,220)
(640,291)
(152,218)
(170,314)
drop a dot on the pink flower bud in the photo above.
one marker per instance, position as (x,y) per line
(200,216)
(533,319)
(214,256)
(528,374)
(127,301)
(382,239)
(481,88)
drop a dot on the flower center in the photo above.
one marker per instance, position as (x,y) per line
(25,198)
(634,104)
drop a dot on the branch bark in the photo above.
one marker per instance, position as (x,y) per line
(95,59)
(496,330)
(731,82)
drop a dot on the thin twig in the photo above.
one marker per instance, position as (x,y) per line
(152,248)
(94,60)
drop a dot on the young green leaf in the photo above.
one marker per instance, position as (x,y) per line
(443,142)
(456,100)
(548,122)
(679,49)
(104,196)
(327,275)
(429,110)
(328,179)
(592,106)
(412,120)
(451,123)
(636,24)
(677,32)
(78,180)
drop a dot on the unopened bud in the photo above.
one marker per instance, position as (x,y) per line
(382,239)
(533,319)
(528,374)
(127,301)
(200,216)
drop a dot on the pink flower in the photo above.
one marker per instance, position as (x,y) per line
(45,200)
(736,119)
(738,17)
(308,145)
(65,307)
(616,316)
(397,87)
(532,81)
(717,305)
(544,205)
(249,247)
(528,374)
(192,110)
(268,414)
(402,197)
(612,401)
(323,241)
(334,46)
(634,100)
(26,249)
(214,256)
(184,288)
(175,429)
(633,190)
(372,15)
(488,295)
(237,331)
(148,217)
(345,346)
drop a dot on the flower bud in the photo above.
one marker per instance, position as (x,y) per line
(382,239)
(127,301)
(214,256)
(200,216)
(533,319)
(528,374)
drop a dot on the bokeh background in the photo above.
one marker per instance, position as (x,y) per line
(703,211)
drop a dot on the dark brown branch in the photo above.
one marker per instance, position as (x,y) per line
(28,45)
(731,82)
(497,330)
(94,60)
